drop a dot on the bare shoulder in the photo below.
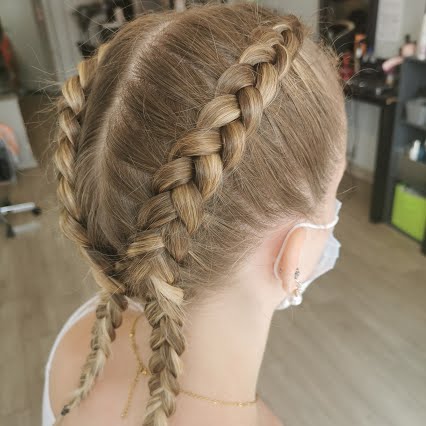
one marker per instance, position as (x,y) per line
(70,356)
(267,417)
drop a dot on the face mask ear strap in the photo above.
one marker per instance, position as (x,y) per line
(315,226)
(280,253)
(305,225)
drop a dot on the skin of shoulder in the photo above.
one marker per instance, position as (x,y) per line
(68,360)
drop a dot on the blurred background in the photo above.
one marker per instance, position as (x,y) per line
(354,353)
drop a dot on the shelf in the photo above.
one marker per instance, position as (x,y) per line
(413,173)
(400,167)
(414,126)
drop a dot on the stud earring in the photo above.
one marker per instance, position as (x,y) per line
(296,297)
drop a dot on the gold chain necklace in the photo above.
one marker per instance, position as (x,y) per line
(143,370)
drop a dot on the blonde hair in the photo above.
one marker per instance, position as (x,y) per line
(179,143)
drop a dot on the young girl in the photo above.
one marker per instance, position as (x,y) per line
(198,155)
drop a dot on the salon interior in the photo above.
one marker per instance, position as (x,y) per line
(354,352)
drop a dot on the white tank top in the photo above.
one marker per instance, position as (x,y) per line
(48,418)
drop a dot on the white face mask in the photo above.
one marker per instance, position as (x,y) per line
(327,260)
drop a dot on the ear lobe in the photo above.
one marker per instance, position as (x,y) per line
(289,256)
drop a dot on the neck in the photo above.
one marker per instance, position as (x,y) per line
(225,346)
(226,339)
(226,335)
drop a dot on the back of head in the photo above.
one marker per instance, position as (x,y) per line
(179,144)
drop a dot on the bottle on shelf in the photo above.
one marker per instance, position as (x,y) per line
(413,153)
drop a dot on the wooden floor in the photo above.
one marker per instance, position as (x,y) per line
(353,354)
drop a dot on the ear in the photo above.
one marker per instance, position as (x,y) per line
(289,258)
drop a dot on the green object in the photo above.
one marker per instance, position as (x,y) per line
(409,211)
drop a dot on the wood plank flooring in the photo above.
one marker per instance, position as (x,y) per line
(353,354)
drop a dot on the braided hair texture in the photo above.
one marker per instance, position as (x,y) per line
(178,143)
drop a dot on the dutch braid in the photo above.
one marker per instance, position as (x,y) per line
(112,301)
(192,174)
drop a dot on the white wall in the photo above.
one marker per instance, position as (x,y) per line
(22,25)
(412,15)
(63,34)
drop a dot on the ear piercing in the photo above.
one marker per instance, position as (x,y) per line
(296,297)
